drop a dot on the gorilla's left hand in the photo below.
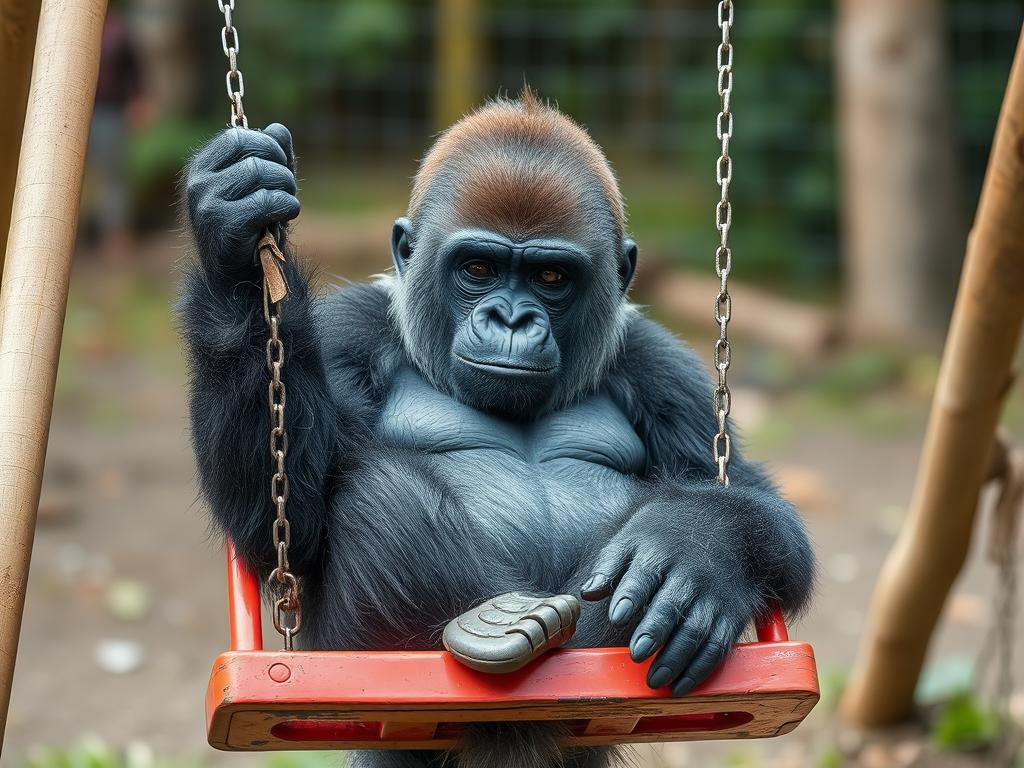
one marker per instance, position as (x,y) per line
(683,565)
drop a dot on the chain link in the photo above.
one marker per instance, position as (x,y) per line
(287,609)
(231,44)
(722,398)
(284,586)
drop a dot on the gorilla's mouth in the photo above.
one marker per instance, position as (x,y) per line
(503,367)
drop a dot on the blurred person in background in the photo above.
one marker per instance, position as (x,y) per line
(121,108)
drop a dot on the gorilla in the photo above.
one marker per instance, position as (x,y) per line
(491,426)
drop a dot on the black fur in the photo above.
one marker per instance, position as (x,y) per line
(388,543)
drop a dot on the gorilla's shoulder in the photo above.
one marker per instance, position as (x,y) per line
(665,390)
(358,336)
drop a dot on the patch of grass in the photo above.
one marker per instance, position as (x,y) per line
(966,724)
(92,752)
(306,760)
(858,373)
(743,758)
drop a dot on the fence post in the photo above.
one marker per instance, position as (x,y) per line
(458,59)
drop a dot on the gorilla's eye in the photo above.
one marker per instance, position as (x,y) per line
(479,270)
(550,276)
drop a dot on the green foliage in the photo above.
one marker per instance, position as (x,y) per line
(863,371)
(161,151)
(92,752)
(832,683)
(830,758)
(966,724)
(743,758)
(304,760)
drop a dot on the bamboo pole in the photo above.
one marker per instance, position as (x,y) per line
(18,21)
(35,284)
(458,59)
(975,375)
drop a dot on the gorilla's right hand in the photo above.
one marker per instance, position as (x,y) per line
(241,182)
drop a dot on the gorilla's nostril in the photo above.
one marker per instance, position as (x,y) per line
(525,316)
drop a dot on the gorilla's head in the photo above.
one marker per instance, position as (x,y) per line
(513,264)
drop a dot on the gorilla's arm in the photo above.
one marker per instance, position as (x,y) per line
(715,555)
(667,395)
(239,183)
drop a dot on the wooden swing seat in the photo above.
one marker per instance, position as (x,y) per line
(264,700)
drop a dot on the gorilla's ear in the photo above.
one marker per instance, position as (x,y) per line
(401,243)
(627,263)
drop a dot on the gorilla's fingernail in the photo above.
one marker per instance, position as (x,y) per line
(621,610)
(642,647)
(683,687)
(592,583)
(659,677)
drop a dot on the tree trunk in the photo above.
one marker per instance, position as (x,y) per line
(901,222)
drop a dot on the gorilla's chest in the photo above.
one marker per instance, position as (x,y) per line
(569,466)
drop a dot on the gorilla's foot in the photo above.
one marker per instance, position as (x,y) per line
(511,630)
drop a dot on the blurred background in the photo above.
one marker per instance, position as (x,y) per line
(861,138)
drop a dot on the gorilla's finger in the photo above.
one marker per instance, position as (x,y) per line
(269,206)
(607,570)
(253,173)
(635,590)
(661,619)
(282,136)
(681,648)
(708,657)
(234,144)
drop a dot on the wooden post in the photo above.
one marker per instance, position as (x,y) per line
(18,21)
(35,284)
(974,377)
(458,59)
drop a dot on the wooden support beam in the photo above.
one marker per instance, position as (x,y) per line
(18,22)
(983,338)
(34,293)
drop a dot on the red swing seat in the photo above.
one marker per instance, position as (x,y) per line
(284,700)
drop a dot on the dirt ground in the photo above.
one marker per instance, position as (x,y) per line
(126,607)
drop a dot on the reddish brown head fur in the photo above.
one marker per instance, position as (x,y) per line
(521,168)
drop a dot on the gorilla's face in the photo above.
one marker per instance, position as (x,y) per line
(514,327)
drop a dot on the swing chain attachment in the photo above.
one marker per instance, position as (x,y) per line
(287,609)
(235,83)
(722,397)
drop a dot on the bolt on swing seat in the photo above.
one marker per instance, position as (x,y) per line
(290,700)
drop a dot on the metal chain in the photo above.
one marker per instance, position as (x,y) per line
(233,80)
(722,397)
(281,580)
(284,586)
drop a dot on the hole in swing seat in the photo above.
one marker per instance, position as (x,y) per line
(694,721)
(327,730)
(368,730)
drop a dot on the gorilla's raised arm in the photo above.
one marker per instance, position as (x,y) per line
(239,183)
